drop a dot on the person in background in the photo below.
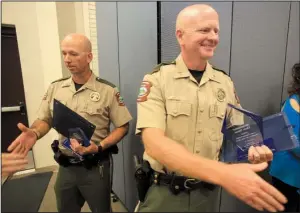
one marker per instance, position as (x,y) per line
(285,168)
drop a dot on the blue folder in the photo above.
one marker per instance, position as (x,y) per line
(71,125)
(65,119)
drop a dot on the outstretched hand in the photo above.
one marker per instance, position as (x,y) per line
(12,163)
(24,142)
(242,181)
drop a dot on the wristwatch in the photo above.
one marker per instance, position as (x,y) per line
(100,148)
(36,133)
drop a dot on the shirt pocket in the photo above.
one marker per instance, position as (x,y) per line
(96,114)
(178,118)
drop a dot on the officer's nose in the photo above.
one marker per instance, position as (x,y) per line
(67,59)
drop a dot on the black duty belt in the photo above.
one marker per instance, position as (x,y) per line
(180,183)
(89,160)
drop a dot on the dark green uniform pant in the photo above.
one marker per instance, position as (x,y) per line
(76,184)
(160,199)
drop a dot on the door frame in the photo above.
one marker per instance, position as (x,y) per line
(14,29)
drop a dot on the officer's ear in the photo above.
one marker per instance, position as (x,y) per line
(179,36)
(89,57)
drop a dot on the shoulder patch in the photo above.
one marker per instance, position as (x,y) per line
(157,68)
(220,70)
(105,82)
(61,79)
(120,99)
(144,91)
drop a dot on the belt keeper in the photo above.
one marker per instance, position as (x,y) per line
(175,189)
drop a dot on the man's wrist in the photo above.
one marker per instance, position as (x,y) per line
(100,148)
(218,170)
(37,134)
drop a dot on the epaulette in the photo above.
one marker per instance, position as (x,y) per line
(105,82)
(157,68)
(61,79)
(220,70)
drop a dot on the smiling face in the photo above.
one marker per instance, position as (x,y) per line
(197,31)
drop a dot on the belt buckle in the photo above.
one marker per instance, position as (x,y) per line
(190,180)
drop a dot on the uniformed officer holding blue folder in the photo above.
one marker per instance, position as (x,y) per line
(99,102)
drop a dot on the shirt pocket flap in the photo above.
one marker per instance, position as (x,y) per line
(177,108)
(92,111)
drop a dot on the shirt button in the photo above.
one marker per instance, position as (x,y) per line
(199,131)
(197,151)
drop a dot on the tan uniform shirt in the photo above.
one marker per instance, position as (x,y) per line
(97,100)
(191,114)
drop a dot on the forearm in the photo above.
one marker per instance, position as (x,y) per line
(115,136)
(176,158)
(40,128)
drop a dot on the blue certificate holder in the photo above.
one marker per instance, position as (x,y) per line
(79,135)
(273,131)
(66,143)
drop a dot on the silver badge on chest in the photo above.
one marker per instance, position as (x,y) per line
(95,96)
(221,94)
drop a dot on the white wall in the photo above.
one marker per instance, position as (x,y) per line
(89,17)
(92,27)
(39,30)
